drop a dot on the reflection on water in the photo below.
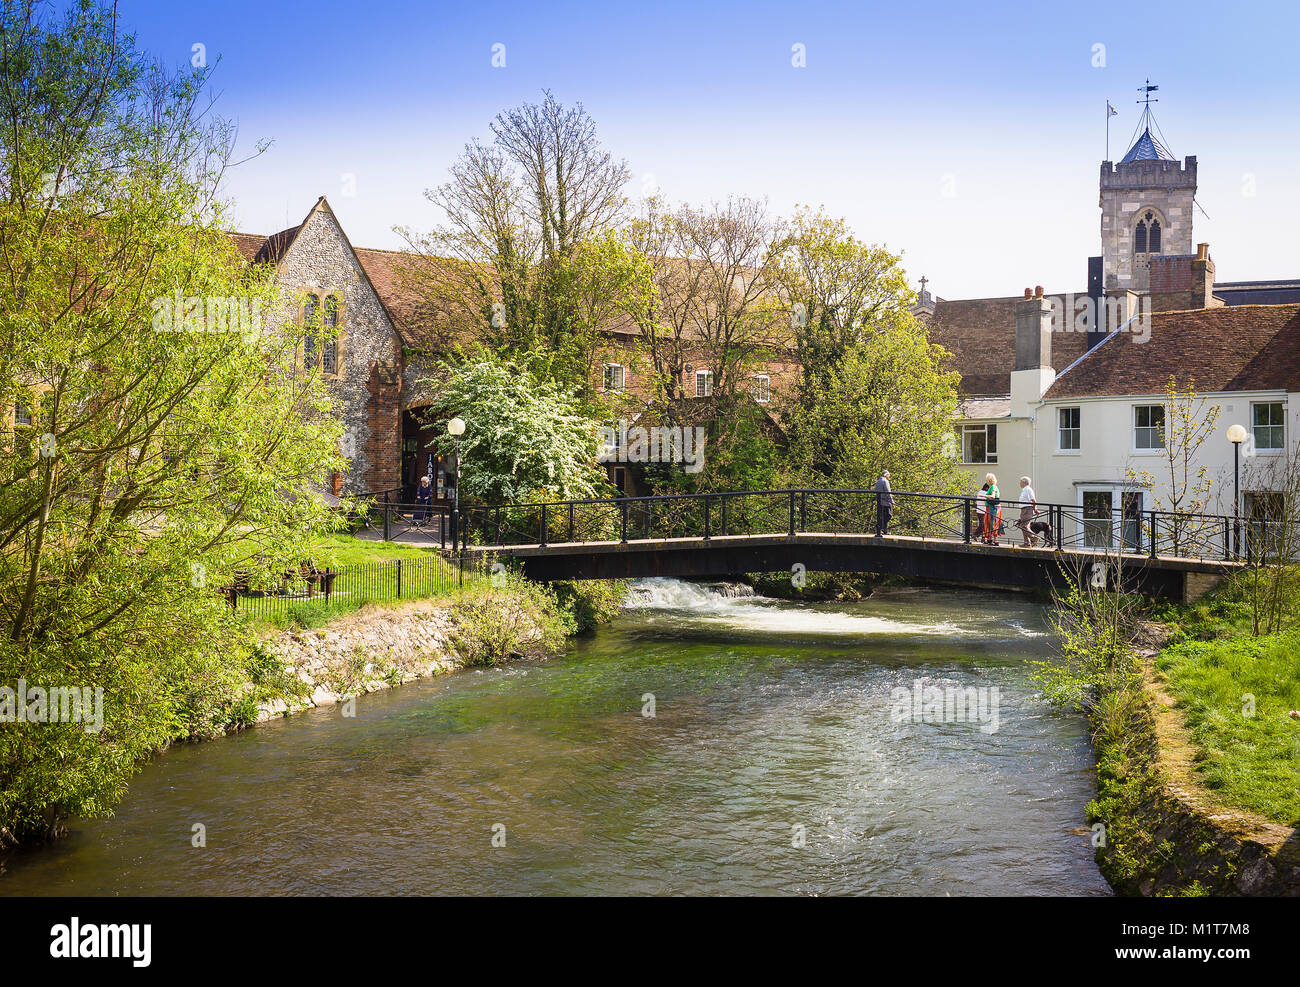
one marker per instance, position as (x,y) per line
(772,720)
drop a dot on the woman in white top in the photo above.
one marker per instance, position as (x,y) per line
(1028,510)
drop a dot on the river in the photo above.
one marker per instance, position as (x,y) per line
(779,759)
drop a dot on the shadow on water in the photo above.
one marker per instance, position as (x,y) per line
(774,725)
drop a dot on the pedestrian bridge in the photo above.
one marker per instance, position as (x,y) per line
(931,536)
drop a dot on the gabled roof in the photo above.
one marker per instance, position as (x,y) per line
(1233,348)
(1147,148)
(980,333)
(272,249)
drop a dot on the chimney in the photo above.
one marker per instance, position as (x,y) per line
(1033,331)
(1203,279)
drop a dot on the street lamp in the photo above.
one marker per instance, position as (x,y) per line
(1236,435)
(456,428)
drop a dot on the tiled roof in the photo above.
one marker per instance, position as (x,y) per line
(1234,348)
(981,335)
(1147,148)
(390,271)
(986,407)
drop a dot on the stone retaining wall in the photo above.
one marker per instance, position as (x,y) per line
(373,649)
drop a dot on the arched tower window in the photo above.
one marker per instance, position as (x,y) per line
(1146,235)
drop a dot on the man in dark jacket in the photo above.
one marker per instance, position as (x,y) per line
(884,504)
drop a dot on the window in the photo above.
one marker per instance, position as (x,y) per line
(1068,434)
(613,377)
(1269,430)
(309,307)
(1265,522)
(979,443)
(1146,235)
(762,388)
(1148,426)
(703,383)
(329,350)
(22,414)
(1097,524)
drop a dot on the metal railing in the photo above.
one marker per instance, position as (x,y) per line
(348,587)
(794,511)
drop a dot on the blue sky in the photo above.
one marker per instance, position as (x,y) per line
(966,136)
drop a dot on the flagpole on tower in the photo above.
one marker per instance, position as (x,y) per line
(1110,112)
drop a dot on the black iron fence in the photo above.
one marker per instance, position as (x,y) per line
(830,511)
(348,587)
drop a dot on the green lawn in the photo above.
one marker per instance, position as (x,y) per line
(1249,758)
(367,573)
(345,550)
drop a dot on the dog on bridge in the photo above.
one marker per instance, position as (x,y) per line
(1043,529)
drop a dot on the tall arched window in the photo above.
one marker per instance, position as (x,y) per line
(1146,235)
(309,307)
(329,350)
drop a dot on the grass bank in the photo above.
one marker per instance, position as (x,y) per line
(1198,758)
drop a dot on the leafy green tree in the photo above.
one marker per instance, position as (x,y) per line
(886,404)
(525,439)
(159,440)
(840,293)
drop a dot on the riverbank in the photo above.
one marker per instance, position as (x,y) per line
(276,672)
(381,646)
(1197,763)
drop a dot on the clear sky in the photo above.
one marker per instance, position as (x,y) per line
(968,136)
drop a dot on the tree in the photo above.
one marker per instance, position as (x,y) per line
(525,439)
(504,267)
(886,405)
(163,440)
(840,293)
(1183,486)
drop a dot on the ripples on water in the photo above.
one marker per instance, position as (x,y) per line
(769,716)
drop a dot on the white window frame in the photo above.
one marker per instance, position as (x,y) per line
(1118,534)
(1133,424)
(972,427)
(762,388)
(621,384)
(1076,429)
(707,376)
(1276,450)
(21,411)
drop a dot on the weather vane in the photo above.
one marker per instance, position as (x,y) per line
(1147,90)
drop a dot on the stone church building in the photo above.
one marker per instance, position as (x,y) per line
(386,341)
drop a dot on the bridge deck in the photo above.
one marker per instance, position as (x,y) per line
(929,558)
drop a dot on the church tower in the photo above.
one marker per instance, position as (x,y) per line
(1146,207)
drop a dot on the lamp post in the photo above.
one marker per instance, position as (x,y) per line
(1236,435)
(456,428)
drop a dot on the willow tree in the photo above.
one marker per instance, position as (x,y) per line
(156,437)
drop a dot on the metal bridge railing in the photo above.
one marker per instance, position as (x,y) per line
(793,511)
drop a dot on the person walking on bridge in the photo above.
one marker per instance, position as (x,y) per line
(884,504)
(993,510)
(1028,511)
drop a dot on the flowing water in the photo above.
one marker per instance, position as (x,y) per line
(785,756)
